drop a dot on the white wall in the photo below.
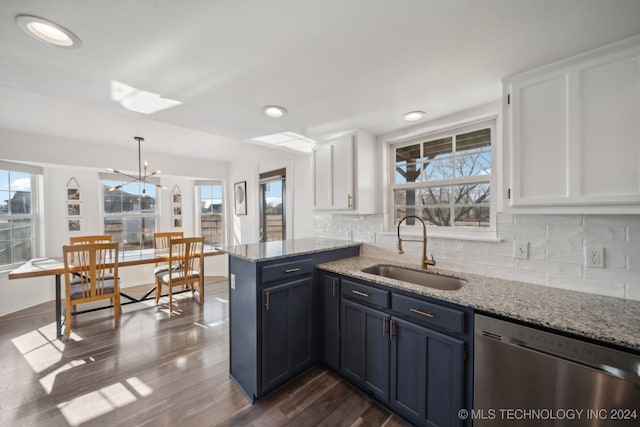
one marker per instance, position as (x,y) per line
(69,158)
(299,194)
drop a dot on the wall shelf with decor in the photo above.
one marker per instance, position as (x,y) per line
(73,205)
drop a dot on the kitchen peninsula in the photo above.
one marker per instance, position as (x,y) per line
(273,309)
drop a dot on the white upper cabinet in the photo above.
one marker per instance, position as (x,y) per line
(572,133)
(343,174)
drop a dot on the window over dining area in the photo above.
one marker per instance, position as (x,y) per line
(18,213)
(445,178)
(129,216)
(210,202)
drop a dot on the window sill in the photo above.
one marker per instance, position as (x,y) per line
(490,236)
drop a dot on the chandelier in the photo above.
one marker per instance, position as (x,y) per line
(143,175)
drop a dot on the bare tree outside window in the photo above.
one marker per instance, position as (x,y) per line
(445,181)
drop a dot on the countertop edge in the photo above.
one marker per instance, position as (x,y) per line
(330,245)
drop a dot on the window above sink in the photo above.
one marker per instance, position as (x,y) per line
(446,177)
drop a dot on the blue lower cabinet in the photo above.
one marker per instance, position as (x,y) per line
(427,370)
(416,370)
(330,320)
(364,344)
(287,330)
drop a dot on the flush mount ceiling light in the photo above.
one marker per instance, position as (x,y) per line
(143,176)
(413,116)
(47,31)
(290,140)
(274,111)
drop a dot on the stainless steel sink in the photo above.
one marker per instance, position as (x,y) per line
(424,278)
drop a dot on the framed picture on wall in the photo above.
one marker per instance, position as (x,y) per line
(74,225)
(73,194)
(73,209)
(240,197)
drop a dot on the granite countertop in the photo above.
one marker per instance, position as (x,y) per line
(285,248)
(607,319)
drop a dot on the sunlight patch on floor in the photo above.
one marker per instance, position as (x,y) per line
(97,403)
(39,348)
(140,387)
(48,380)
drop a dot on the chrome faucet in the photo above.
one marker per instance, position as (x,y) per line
(425,261)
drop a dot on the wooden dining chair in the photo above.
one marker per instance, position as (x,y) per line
(187,255)
(161,241)
(88,277)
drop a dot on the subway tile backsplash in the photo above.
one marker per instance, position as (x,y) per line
(557,245)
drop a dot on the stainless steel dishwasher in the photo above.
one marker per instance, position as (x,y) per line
(526,376)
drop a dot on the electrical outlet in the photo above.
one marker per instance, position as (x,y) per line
(521,250)
(233,281)
(595,257)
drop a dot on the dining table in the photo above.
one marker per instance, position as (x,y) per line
(40,267)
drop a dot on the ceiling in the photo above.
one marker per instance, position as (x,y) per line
(335,65)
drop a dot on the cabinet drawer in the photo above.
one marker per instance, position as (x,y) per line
(365,293)
(285,270)
(428,313)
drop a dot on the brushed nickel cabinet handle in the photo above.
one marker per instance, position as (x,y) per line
(422,313)
(291,270)
(384,327)
(349,198)
(390,329)
(334,282)
(267,305)
(362,294)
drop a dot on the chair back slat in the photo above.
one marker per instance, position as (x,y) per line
(162,240)
(97,238)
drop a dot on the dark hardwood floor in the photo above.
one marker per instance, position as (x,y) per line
(155,370)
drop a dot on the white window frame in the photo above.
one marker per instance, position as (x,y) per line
(449,232)
(103,215)
(35,175)
(198,210)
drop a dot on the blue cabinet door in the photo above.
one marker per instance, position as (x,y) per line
(364,339)
(287,330)
(426,374)
(330,315)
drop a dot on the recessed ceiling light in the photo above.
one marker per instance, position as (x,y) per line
(413,116)
(47,31)
(274,111)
